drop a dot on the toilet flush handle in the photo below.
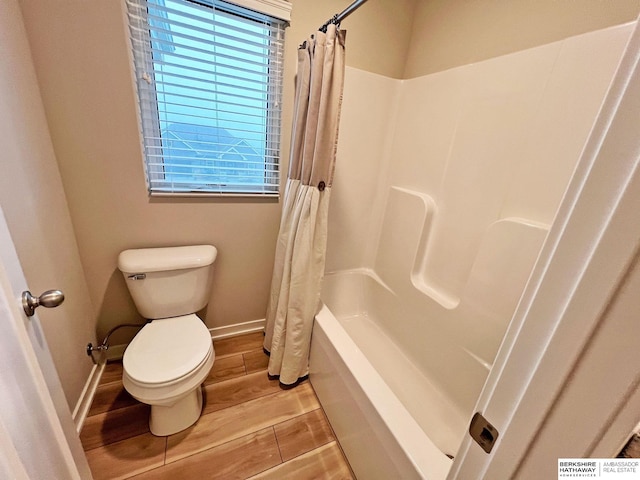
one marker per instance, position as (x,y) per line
(49,299)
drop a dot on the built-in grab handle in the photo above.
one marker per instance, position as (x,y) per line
(49,299)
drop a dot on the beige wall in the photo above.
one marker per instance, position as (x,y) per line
(35,206)
(378,33)
(450,33)
(81,57)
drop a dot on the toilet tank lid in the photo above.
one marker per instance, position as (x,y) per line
(141,260)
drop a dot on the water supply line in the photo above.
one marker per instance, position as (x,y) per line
(104,346)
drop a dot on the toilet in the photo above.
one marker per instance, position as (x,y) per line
(168,360)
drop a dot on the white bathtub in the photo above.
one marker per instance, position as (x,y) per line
(390,419)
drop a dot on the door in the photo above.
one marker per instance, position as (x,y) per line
(566,381)
(37,435)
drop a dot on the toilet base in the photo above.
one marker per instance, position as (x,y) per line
(167,420)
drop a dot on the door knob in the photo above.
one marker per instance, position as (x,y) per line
(49,299)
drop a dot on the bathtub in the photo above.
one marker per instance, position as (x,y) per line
(390,419)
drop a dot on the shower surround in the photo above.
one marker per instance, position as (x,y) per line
(445,188)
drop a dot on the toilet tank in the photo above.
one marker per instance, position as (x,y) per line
(169,281)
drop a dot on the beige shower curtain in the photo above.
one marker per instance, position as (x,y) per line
(300,251)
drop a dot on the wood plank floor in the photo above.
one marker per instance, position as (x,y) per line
(250,428)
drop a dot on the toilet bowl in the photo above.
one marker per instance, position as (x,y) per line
(164,366)
(168,360)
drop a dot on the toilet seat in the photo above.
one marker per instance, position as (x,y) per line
(167,350)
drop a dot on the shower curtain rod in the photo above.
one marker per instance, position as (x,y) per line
(337,18)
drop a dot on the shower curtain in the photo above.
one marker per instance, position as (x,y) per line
(300,251)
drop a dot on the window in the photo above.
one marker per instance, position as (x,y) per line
(209,78)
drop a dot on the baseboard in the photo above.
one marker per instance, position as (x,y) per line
(218,333)
(86,397)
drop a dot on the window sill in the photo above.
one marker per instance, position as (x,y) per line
(215,195)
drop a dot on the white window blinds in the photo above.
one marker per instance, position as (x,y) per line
(209,78)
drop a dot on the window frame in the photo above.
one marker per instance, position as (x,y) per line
(268,11)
